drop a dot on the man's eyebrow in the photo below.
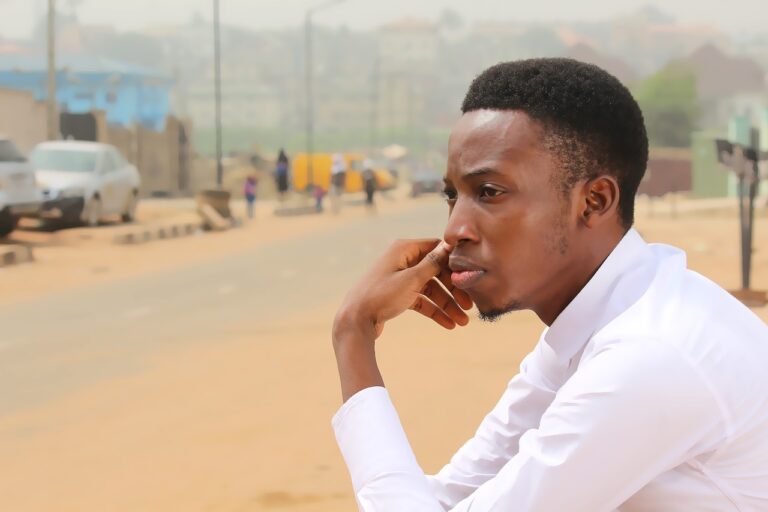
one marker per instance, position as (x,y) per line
(482,171)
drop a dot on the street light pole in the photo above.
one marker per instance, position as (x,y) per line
(217,91)
(53,116)
(309,96)
(308,75)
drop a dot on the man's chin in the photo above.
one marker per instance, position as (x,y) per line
(492,313)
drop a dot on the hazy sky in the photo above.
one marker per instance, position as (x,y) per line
(735,16)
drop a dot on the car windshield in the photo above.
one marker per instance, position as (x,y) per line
(64,160)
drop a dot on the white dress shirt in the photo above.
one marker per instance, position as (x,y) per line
(648,393)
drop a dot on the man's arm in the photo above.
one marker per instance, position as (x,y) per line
(407,276)
(628,415)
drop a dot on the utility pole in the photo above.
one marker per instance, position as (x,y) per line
(217,91)
(309,96)
(53,114)
(308,75)
(374,120)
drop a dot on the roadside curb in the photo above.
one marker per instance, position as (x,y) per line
(15,254)
(162,232)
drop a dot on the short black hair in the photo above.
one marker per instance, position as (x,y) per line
(591,122)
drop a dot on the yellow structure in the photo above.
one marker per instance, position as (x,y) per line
(321,172)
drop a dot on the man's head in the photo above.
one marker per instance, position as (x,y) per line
(542,172)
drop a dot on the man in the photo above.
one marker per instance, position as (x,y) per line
(338,180)
(647,391)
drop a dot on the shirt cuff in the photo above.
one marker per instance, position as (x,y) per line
(371,438)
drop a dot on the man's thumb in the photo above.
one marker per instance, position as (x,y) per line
(434,261)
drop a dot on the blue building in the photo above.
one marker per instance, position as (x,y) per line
(128,94)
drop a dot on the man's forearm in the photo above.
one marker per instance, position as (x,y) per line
(354,345)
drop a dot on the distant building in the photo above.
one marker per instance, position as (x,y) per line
(408,52)
(127,94)
(614,65)
(727,85)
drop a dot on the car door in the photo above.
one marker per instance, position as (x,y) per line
(110,183)
(125,180)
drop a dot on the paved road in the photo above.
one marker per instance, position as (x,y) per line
(54,345)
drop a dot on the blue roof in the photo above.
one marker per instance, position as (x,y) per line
(77,63)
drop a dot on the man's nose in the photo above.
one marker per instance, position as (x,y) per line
(461,226)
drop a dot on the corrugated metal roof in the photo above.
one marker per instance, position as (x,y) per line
(76,63)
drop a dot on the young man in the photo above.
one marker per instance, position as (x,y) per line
(647,391)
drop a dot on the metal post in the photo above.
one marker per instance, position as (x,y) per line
(372,139)
(53,115)
(217,91)
(744,233)
(309,100)
(308,72)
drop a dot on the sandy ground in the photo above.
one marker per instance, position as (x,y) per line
(245,425)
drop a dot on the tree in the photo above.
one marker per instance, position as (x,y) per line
(669,101)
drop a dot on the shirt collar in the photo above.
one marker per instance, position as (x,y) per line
(592,307)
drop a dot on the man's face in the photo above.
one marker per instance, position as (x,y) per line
(509,221)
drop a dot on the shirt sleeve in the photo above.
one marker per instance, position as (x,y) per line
(497,438)
(629,414)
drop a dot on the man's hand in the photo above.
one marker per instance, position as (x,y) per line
(406,276)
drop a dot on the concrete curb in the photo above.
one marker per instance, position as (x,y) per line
(162,232)
(15,254)
(293,211)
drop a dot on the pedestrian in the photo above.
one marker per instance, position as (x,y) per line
(648,388)
(369,182)
(338,181)
(281,174)
(318,193)
(249,191)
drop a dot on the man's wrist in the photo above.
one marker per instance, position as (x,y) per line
(354,339)
(351,326)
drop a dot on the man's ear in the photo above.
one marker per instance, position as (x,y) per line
(599,200)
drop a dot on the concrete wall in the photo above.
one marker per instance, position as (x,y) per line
(160,157)
(669,170)
(22,118)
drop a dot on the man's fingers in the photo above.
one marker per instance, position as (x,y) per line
(442,299)
(462,298)
(428,308)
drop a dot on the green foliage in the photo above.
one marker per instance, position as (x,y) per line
(670,105)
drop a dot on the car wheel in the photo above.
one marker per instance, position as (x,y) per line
(93,212)
(129,215)
(7,222)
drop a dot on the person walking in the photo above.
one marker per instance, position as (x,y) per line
(281,174)
(249,191)
(338,178)
(369,183)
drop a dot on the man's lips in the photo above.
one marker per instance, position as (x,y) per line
(466,278)
(464,273)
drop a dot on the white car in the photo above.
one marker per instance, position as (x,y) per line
(18,194)
(84,182)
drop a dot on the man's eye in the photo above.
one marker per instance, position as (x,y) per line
(487,191)
(449,195)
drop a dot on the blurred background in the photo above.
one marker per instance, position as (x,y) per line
(187,188)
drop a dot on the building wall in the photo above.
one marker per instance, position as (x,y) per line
(669,171)
(126,99)
(22,118)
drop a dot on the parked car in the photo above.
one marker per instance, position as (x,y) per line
(18,193)
(426,181)
(84,182)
